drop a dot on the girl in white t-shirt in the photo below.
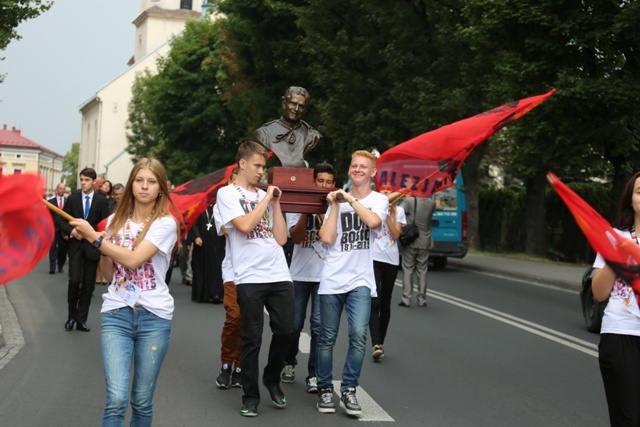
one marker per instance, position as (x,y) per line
(137,309)
(386,259)
(619,349)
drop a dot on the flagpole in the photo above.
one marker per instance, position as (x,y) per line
(57,210)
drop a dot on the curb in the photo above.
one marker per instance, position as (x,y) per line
(559,283)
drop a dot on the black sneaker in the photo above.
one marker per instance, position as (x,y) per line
(236,378)
(312,385)
(277,396)
(224,377)
(325,401)
(350,403)
(249,409)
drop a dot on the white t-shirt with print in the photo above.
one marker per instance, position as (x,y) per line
(227,267)
(149,277)
(349,263)
(385,249)
(622,315)
(306,263)
(256,257)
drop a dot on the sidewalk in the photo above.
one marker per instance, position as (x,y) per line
(560,275)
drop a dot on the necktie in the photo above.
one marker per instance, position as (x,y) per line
(60,202)
(87,206)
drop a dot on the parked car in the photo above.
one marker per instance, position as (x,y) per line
(592,310)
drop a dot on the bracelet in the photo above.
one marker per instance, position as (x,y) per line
(351,201)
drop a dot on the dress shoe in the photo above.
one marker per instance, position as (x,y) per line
(81,326)
(403,304)
(60,270)
(277,396)
(70,324)
(52,272)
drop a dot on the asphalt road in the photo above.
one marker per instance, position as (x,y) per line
(487,351)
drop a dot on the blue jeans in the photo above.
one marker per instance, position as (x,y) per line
(139,335)
(357,304)
(302,292)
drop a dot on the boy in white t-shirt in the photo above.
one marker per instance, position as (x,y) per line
(230,339)
(256,232)
(347,279)
(306,267)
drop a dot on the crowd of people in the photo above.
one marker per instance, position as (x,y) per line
(343,260)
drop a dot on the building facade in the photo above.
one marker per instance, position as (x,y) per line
(23,155)
(103,136)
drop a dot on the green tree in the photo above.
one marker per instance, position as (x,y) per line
(70,166)
(12,13)
(532,46)
(263,57)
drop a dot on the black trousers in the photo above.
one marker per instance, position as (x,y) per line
(380,316)
(82,281)
(57,253)
(619,357)
(277,297)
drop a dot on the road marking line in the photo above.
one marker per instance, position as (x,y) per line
(536,329)
(371,411)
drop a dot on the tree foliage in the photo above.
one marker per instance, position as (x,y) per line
(70,166)
(380,73)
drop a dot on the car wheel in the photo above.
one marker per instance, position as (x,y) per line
(592,311)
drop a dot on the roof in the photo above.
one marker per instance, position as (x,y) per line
(13,138)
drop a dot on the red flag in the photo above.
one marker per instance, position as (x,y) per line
(620,253)
(193,197)
(26,226)
(430,162)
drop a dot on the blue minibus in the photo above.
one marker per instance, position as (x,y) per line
(449,224)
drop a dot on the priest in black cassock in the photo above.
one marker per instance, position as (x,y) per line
(206,262)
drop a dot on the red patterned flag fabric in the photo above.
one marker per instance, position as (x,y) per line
(26,226)
(620,253)
(193,197)
(430,162)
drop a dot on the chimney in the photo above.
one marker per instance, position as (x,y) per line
(4,127)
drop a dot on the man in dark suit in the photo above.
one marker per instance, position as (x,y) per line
(83,258)
(58,251)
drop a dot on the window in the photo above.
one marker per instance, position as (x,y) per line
(186,4)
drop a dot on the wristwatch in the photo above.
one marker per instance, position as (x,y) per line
(351,201)
(96,243)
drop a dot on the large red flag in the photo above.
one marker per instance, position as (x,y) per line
(193,197)
(430,162)
(26,226)
(620,253)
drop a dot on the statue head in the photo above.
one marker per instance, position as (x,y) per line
(294,104)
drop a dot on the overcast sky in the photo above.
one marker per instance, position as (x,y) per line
(64,57)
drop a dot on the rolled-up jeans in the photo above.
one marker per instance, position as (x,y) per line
(357,304)
(303,291)
(142,337)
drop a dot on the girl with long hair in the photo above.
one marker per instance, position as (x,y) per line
(137,308)
(619,348)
